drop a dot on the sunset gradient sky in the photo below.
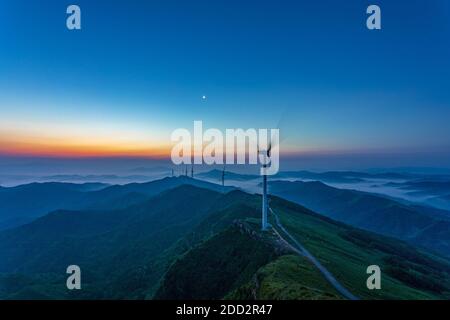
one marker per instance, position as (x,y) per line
(137,71)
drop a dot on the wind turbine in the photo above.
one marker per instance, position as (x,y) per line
(265,203)
(223,179)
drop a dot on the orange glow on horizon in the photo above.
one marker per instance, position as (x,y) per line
(70,147)
(24,139)
(34,143)
(83,151)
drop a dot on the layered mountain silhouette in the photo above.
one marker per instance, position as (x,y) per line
(217,175)
(188,241)
(25,203)
(435,191)
(425,187)
(329,176)
(371,212)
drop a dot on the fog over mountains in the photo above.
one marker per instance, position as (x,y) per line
(182,241)
(192,238)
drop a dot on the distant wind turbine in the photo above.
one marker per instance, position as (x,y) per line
(223,178)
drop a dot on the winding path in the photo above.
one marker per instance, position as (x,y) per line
(301,250)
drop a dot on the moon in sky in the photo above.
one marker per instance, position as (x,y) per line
(203,97)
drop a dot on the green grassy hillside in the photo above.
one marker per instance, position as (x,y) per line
(289,277)
(22,204)
(347,252)
(243,263)
(368,211)
(159,246)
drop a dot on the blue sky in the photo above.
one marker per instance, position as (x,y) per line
(137,71)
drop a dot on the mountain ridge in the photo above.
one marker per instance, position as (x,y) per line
(363,210)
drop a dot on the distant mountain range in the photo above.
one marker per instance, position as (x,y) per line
(180,240)
(330,176)
(217,175)
(436,192)
(13,180)
(154,169)
(110,178)
(371,212)
(22,204)
(425,187)
(343,176)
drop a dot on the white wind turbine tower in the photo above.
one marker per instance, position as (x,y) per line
(265,203)
(223,179)
(274,142)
